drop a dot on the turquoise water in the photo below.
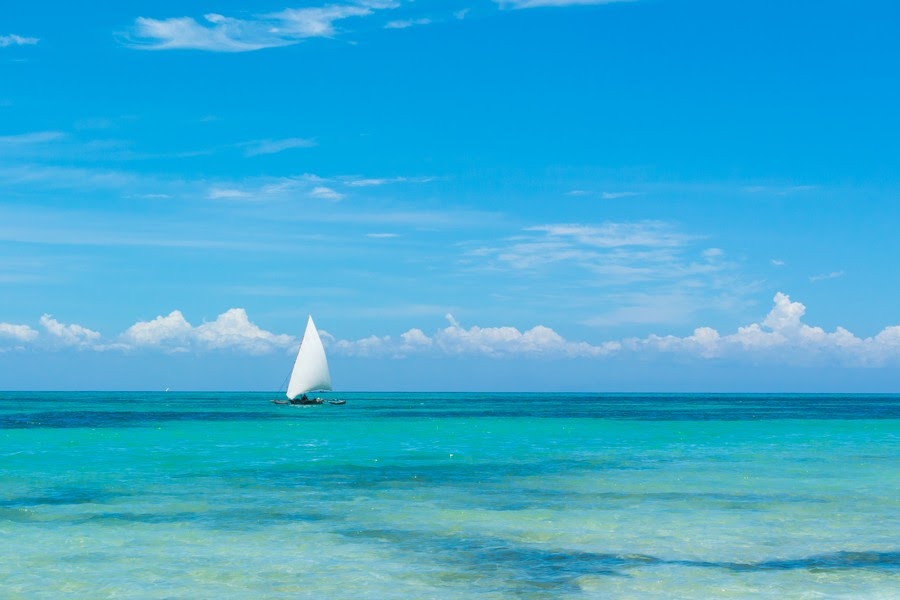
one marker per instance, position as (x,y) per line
(449,496)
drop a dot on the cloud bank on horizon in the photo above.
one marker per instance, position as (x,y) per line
(781,336)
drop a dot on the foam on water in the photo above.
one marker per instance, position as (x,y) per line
(449,496)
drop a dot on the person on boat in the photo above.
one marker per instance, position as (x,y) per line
(304,398)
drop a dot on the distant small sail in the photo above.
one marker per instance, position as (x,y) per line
(311,367)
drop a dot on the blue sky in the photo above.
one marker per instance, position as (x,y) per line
(541,194)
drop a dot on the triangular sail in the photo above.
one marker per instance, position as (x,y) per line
(311,367)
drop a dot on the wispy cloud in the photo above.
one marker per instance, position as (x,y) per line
(34,137)
(17,40)
(217,193)
(778,190)
(541,3)
(406,23)
(611,269)
(219,33)
(618,195)
(381,235)
(636,250)
(379,181)
(325,192)
(257,147)
(777,262)
(825,276)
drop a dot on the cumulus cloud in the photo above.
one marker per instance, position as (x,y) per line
(488,341)
(19,333)
(69,335)
(172,331)
(231,330)
(783,337)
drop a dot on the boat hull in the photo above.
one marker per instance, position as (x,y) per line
(307,401)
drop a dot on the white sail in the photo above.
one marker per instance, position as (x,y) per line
(311,367)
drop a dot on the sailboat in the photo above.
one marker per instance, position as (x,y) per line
(310,371)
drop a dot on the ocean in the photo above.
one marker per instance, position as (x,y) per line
(226,495)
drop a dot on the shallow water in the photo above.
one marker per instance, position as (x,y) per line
(449,496)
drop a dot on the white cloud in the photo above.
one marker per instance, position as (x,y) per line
(316,21)
(258,147)
(35,137)
(612,252)
(415,338)
(381,235)
(405,23)
(500,341)
(231,330)
(219,33)
(777,262)
(325,192)
(489,341)
(226,194)
(610,235)
(782,337)
(20,333)
(172,331)
(618,195)
(541,3)
(379,181)
(69,335)
(832,275)
(778,190)
(17,40)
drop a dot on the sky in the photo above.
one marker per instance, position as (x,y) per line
(473,195)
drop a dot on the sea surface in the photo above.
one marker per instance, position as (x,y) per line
(226,495)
